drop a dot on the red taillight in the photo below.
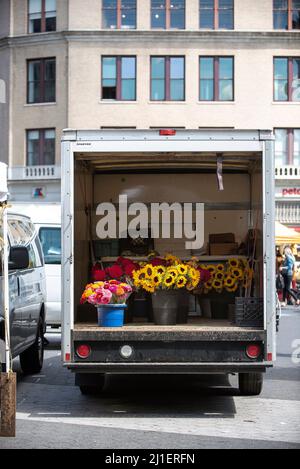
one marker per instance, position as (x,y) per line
(83,351)
(253,350)
(67,357)
(167,132)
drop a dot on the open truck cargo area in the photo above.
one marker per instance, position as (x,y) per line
(231,174)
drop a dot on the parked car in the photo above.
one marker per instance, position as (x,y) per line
(27,288)
(50,238)
(46,218)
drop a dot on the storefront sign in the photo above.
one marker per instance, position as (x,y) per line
(290,192)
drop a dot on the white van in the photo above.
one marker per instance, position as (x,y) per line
(47,219)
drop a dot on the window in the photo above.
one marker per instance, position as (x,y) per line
(287,79)
(119,14)
(41,16)
(168,14)
(216,79)
(119,78)
(167,78)
(51,244)
(41,74)
(287,147)
(40,147)
(286,14)
(216,14)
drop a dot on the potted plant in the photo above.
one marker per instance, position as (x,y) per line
(110,300)
(167,282)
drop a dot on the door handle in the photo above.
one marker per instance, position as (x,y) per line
(18,283)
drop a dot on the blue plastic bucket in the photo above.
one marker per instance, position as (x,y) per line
(111,315)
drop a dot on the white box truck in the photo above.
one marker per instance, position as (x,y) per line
(231,172)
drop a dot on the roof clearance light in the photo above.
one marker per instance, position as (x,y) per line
(167,132)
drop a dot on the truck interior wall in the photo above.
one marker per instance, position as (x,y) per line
(83,197)
(226,211)
(182,188)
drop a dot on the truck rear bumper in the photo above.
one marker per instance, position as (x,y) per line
(169,368)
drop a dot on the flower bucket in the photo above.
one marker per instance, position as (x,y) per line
(165,307)
(111,315)
(183,306)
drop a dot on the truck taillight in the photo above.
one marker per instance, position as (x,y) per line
(83,351)
(167,132)
(253,351)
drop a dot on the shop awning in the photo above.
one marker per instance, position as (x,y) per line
(285,235)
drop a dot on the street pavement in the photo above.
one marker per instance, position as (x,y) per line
(162,412)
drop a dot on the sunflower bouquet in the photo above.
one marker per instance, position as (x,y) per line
(230,276)
(175,276)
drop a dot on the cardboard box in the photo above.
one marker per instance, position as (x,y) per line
(223,249)
(221,238)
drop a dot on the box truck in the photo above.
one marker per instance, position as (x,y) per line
(229,172)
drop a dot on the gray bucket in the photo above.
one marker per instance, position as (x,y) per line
(165,307)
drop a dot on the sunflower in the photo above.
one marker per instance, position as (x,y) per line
(173,271)
(138,277)
(169,280)
(229,281)
(172,260)
(193,273)
(157,280)
(237,273)
(220,268)
(219,276)
(160,269)
(217,284)
(148,286)
(233,289)
(211,269)
(234,263)
(181,281)
(182,269)
(208,286)
(149,271)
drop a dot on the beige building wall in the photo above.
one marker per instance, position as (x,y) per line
(253,106)
(79,44)
(35,116)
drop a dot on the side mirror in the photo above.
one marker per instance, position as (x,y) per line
(18,258)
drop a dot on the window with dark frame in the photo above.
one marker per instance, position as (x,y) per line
(286,14)
(168,14)
(41,79)
(216,78)
(167,78)
(40,147)
(119,78)
(287,147)
(119,14)
(41,16)
(287,79)
(216,14)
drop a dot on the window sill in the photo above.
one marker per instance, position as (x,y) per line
(172,103)
(286,103)
(113,101)
(39,104)
(216,103)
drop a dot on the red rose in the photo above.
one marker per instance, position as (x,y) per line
(98,274)
(157,261)
(130,268)
(114,272)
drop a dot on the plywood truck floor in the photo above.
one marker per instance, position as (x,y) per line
(204,330)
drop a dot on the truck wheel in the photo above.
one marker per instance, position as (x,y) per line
(32,359)
(90,384)
(250,384)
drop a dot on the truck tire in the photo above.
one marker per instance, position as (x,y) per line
(32,359)
(90,384)
(250,384)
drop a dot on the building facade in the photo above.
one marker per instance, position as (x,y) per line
(147,64)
